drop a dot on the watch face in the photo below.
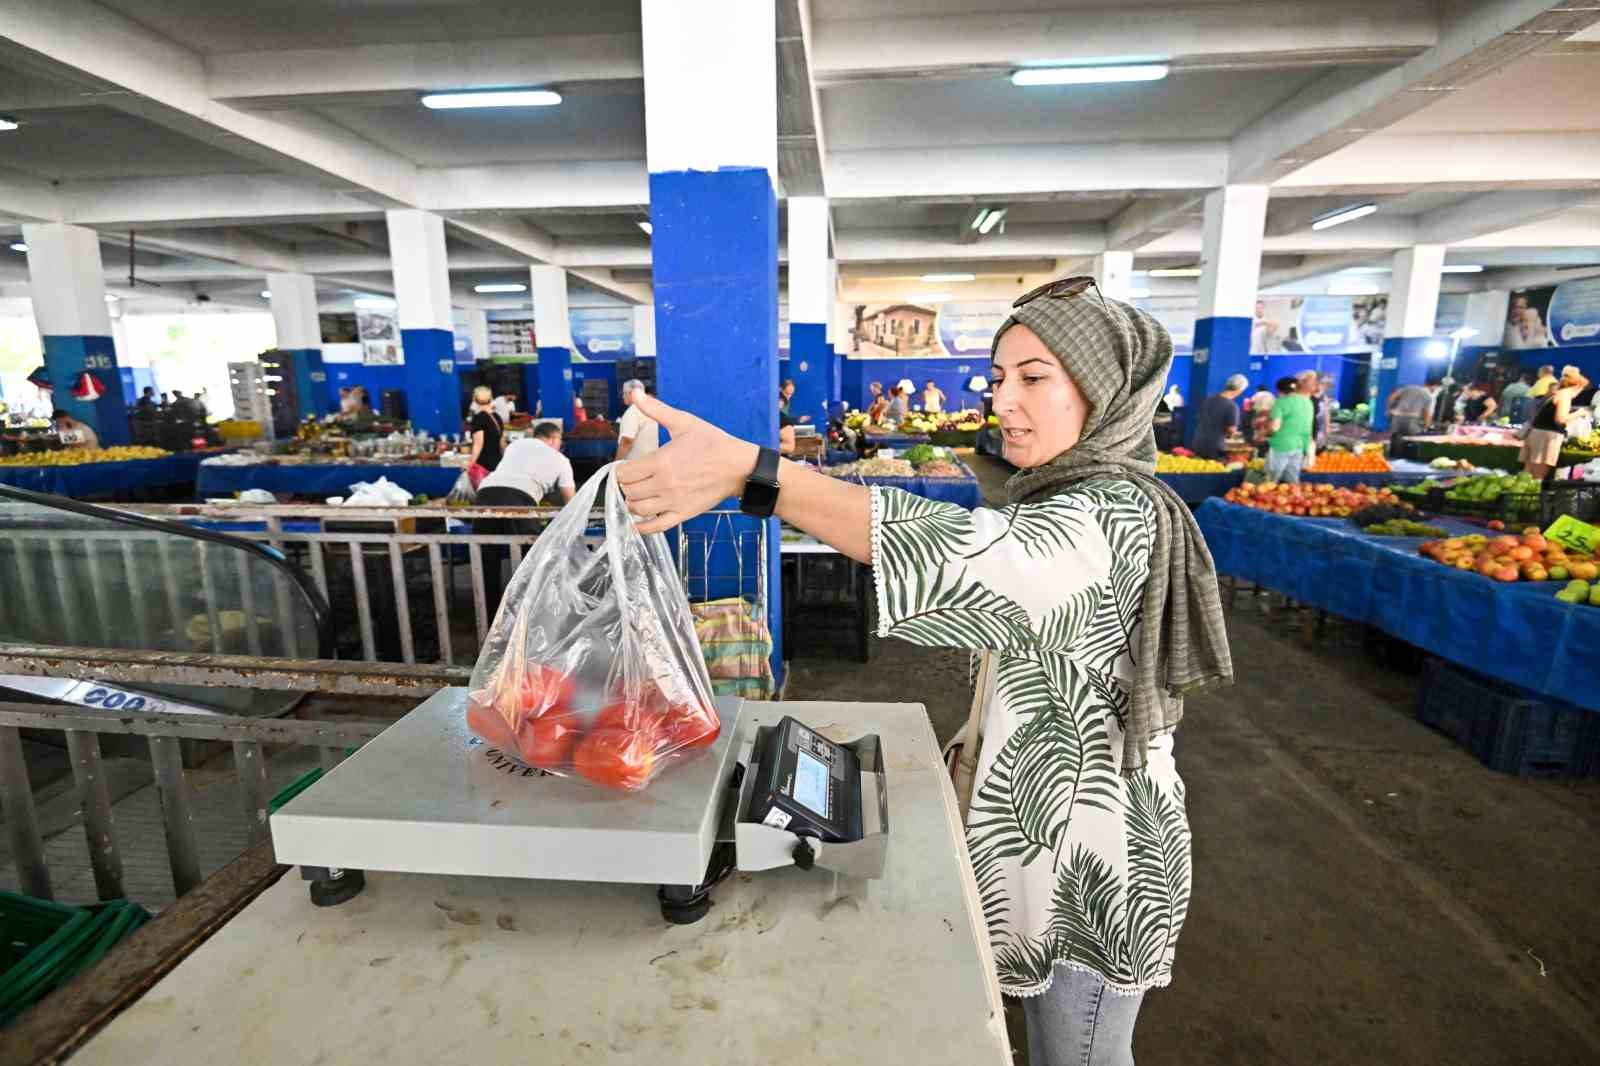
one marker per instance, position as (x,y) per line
(759,498)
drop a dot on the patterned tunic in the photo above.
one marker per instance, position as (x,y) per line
(1076,864)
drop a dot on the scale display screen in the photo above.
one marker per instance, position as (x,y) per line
(811,783)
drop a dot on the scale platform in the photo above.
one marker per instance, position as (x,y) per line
(427,796)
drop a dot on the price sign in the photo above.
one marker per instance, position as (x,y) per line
(99,362)
(1571,533)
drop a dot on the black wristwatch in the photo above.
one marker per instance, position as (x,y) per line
(761,487)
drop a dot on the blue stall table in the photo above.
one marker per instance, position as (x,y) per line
(90,480)
(1347,481)
(1197,488)
(324,479)
(1516,632)
(897,440)
(591,450)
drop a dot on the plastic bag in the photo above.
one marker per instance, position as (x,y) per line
(464,491)
(379,493)
(592,667)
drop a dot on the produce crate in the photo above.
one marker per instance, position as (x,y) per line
(1580,499)
(1508,730)
(1522,508)
(70,947)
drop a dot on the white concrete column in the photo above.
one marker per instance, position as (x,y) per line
(808,259)
(477,329)
(1230,251)
(421,269)
(1113,274)
(293,298)
(644,331)
(67,280)
(1414,291)
(552,324)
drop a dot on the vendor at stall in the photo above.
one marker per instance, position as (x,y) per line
(1219,415)
(1410,411)
(358,416)
(932,398)
(637,433)
(1076,380)
(73,433)
(530,470)
(878,408)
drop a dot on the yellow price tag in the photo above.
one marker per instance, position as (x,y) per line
(1573,534)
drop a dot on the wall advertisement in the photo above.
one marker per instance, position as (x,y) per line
(380,337)
(1554,316)
(1318,325)
(602,334)
(965,329)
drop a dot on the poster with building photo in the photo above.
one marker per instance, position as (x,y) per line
(380,337)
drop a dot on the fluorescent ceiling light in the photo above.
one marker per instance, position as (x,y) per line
(648,227)
(1089,75)
(502,98)
(992,219)
(1353,288)
(373,303)
(507,287)
(977,220)
(1366,270)
(18,246)
(935,297)
(266,294)
(1343,215)
(7,123)
(934,279)
(1462,268)
(1174,272)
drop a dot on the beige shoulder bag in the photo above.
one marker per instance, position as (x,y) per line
(961,754)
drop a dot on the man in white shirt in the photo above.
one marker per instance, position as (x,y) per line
(505,405)
(532,466)
(637,435)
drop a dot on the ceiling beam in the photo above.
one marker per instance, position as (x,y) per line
(146,74)
(225,245)
(516,237)
(204,201)
(518,187)
(27,198)
(1030,242)
(1342,106)
(1497,211)
(1147,219)
(1313,266)
(1293,33)
(1387,160)
(303,77)
(800,147)
(1027,169)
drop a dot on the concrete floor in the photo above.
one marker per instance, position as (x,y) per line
(1365,890)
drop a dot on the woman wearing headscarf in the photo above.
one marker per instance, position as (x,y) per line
(1098,596)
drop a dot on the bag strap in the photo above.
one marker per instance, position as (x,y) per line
(964,764)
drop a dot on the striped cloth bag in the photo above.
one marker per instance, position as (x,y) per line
(737,647)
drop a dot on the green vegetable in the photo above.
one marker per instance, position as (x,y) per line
(919,454)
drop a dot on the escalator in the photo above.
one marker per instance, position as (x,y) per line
(76,575)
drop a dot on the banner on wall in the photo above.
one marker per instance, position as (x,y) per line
(966,328)
(1553,316)
(1318,324)
(602,334)
(380,337)
(1451,315)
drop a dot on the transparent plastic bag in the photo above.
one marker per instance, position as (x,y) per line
(592,667)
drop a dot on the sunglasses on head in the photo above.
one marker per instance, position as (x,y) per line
(1061,289)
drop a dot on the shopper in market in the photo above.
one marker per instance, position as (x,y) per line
(1547,429)
(531,471)
(1410,412)
(579,415)
(74,433)
(1544,383)
(486,432)
(878,409)
(1219,415)
(899,406)
(1096,592)
(1289,426)
(1476,403)
(638,435)
(1514,397)
(1259,407)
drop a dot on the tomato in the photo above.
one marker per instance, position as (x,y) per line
(615,758)
(643,720)
(692,727)
(547,741)
(485,721)
(539,689)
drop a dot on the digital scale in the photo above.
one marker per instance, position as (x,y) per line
(428,796)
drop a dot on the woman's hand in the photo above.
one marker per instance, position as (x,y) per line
(698,469)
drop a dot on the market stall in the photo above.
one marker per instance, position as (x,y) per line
(111,477)
(323,479)
(1499,451)
(1197,488)
(1517,632)
(937,475)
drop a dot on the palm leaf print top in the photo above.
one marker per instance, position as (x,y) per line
(1077,864)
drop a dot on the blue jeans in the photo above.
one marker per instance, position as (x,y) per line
(1080,1022)
(1284,466)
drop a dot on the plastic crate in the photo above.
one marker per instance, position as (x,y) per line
(1508,730)
(1580,499)
(1521,508)
(72,947)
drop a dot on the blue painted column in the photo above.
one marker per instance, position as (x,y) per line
(293,299)
(1230,270)
(67,287)
(714,211)
(552,328)
(427,338)
(1408,342)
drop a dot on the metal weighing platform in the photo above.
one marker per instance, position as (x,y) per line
(554,953)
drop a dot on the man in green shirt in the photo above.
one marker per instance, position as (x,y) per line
(1514,397)
(1290,442)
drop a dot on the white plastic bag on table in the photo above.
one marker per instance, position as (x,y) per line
(592,667)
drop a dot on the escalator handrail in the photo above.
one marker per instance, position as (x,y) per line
(322,616)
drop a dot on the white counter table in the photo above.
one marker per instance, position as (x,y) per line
(428,969)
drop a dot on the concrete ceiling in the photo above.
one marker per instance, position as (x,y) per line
(239,138)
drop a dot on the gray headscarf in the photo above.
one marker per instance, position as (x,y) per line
(1119,357)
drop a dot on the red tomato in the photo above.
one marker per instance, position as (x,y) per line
(641,720)
(692,727)
(539,689)
(547,741)
(615,758)
(487,722)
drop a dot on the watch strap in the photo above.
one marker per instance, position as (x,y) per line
(761,487)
